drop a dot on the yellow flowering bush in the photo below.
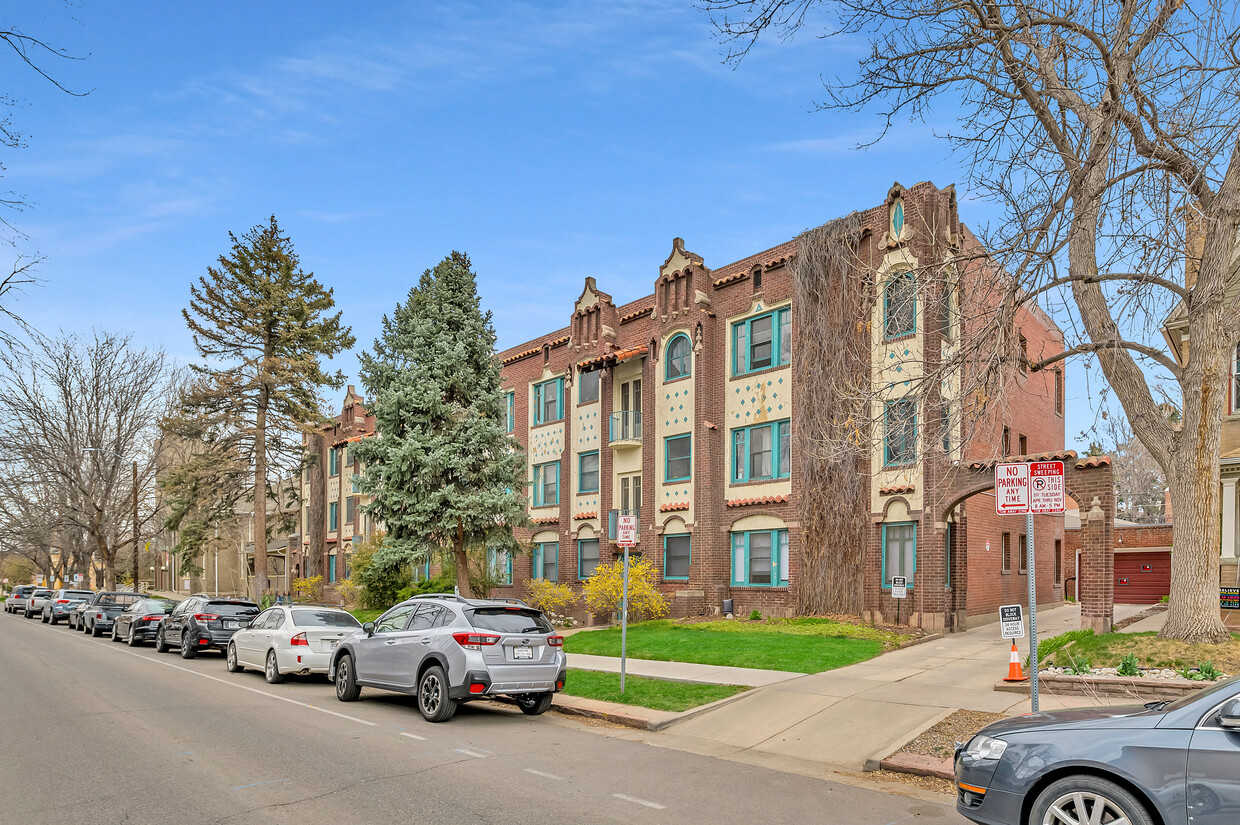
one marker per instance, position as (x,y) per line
(603,591)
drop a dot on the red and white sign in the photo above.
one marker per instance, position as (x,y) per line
(1029,487)
(626,531)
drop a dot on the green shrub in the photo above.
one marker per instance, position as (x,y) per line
(443,582)
(1054,643)
(1128,666)
(1078,667)
(1164,600)
(755,616)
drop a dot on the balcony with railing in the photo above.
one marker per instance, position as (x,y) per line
(613,522)
(625,429)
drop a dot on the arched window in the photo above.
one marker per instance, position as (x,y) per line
(900,305)
(679,357)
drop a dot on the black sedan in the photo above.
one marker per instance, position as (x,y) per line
(1163,762)
(140,621)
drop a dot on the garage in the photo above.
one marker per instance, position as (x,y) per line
(1142,577)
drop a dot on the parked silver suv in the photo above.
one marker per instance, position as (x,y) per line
(446,650)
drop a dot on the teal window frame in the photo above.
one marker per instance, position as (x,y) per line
(781,341)
(741,546)
(670,359)
(350,510)
(540,484)
(502,575)
(555,385)
(947,555)
(896,326)
(887,571)
(581,472)
(333,462)
(598,558)
(510,400)
(781,458)
(539,561)
(688,538)
(333,515)
(667,458)
(331,568)
(581,385)
(892,419)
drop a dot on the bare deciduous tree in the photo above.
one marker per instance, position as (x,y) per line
(1099,129)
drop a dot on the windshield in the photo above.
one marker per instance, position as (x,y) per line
(510,620)
(324,618)
(231,608)
(158,606)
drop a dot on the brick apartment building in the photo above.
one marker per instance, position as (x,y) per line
(682,406)
(344,523)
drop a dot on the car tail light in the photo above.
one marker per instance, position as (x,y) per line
(555,641)
(98,615)
(477,688)
(299,639)
(475,641)
(152,618)
(62,601)
(206,617)
(559,685)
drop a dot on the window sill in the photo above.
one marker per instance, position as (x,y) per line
(737,376)
(909,465)
(759,587)
(675,578)
(756,481)
(545,424)
(593,492)
(899,336)
(677,379)
(684,480)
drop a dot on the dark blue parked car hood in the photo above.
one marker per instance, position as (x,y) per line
(1119,716)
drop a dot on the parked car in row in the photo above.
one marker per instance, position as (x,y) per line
(202,623)
(62,602)
(16,602)
(100,612)
(34,604)
(140,621)
(446,649)
(289,639)
(1138,764)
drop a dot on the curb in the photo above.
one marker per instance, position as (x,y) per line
(639,719)
(919,765)
(876,761)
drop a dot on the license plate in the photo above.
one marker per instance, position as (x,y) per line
(229,625)
(331,644)
(523,652)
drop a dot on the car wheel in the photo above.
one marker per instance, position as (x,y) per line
(95,632)
(52,620)
(1086,799)
(46,618)
(160,645)
(187,647)
(433,701)
(132,641)
(116,636)
(347,688)
(534,704)
(230,660)
(272,671)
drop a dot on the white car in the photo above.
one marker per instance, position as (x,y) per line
(289,638)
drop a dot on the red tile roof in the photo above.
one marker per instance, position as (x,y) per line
(1066,456)
(546,520)
(613,357)
(585,515)
(673,506)
(635,314)
(897,489)
(745,502)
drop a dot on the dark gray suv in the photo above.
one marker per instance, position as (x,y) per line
(1163,762)
(446,650)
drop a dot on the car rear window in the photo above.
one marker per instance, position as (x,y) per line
(324,618)
(231,609)
(509,620)
(78,594)
(122,599)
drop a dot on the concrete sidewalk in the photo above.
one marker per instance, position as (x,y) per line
(843,718)
(682,671)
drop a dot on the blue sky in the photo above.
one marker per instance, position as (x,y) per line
(550,141)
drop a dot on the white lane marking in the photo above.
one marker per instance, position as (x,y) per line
(250,689)
(637,801)
(414,736)
(543,774)
(468,752)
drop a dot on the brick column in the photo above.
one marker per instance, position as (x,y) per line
(1096,578)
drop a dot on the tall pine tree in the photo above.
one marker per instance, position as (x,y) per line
(443,470)
(262,326)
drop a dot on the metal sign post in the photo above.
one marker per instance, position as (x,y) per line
(627,537)
(899,592)
(1026,488)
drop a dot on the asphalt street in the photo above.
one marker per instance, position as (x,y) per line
(94,731)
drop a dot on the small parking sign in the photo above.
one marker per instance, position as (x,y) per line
(1011,621)
(899,587)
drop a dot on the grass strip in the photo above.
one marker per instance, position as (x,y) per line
(656,694)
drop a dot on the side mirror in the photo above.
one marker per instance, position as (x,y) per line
(1229,716)
(369,627)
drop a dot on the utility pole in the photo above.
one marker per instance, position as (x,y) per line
(135,527)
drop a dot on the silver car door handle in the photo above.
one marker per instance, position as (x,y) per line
(390,642)
(426,641)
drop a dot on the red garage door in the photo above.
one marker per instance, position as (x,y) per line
(1142,578)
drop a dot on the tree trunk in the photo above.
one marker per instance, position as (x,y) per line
(260,492)
(461,559)
(316,562)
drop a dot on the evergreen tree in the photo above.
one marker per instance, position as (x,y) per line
(443,470)
(261,324)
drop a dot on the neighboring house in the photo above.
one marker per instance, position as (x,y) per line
(344,523)
(682,407)
(1142,568)
(1175,332)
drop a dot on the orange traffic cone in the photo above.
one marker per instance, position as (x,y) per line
(1014,671)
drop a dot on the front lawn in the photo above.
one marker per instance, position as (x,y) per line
(809,645)
(657,694)
(1108,649)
